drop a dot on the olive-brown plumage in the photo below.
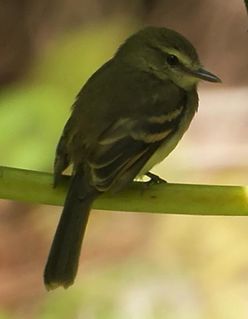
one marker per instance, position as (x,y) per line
(128,117)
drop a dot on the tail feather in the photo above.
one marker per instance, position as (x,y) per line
(62,263)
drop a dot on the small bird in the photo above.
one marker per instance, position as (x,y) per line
(128,117)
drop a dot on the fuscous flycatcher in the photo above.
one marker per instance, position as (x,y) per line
(128,117)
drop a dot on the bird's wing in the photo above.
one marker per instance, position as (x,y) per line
(124,147)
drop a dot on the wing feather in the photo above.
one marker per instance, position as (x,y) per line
(123,149)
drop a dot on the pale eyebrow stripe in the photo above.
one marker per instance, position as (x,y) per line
(183,60)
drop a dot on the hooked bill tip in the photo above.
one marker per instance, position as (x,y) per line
(206,75)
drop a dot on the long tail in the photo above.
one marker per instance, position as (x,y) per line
(62,263)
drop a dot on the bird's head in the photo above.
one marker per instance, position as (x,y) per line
(166,54)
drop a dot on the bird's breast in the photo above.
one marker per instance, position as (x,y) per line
(171,141)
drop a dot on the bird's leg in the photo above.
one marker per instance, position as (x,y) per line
(155,179)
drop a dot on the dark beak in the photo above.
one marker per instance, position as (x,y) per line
(205,75)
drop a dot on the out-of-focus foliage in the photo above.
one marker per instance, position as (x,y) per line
(32,114)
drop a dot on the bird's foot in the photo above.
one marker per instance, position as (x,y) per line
(155,179)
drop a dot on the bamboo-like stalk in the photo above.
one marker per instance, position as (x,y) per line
(36,187)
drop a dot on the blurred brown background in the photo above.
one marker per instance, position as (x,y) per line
(28,27)
(133,265)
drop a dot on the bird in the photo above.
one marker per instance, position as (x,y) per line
(129,115)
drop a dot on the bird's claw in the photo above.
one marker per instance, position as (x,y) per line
(155,179)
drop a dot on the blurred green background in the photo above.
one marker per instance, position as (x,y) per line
(132,265)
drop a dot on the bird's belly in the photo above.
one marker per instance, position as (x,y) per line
(169,144)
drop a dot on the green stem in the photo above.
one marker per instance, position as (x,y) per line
(36,187)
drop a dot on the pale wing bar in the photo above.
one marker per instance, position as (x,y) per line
(124,148)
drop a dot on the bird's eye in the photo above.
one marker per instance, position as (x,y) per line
(172,60)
